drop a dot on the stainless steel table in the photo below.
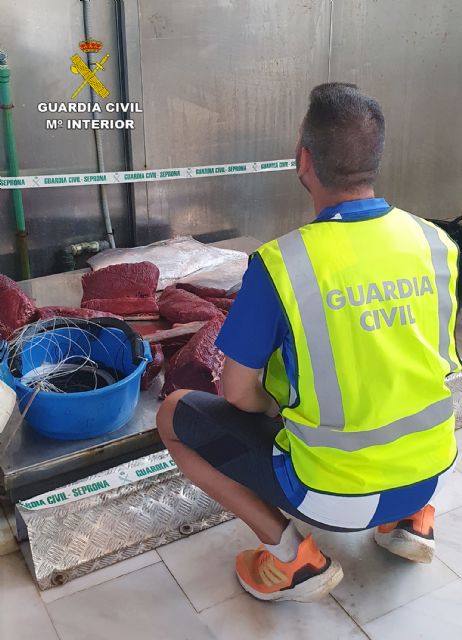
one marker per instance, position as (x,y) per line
(31,464)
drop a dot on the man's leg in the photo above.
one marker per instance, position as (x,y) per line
(266,521)
(286,566)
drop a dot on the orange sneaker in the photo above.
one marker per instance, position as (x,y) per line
(411,538)
(307,578)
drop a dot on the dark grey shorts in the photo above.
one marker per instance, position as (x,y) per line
(237,443)
(240,445)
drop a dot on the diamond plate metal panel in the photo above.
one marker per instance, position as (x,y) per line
(72,540)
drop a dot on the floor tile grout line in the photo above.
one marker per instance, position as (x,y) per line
(401,606)
(237,595)
(448,567)
(51,621)
(423,595)
(355,622)
(199,611)
(216,604)
(91,586)
(3,555)
(180,587)
(29,573)
(440,515)
(10,529)
(38,592)
(45,605)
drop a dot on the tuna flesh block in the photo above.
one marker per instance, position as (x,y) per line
(154,368)
(199,364)
(180,306)
(122,289)
(16,309)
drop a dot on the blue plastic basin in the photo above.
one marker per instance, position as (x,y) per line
(77,416)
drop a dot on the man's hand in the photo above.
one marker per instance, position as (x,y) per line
(242,387)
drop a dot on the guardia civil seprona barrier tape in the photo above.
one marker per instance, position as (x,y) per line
(154,175)
(142,469)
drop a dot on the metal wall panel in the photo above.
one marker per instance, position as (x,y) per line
(40,37)
(228,81)
(408,54)
(135,93)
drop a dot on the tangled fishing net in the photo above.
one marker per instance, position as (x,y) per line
(56,355)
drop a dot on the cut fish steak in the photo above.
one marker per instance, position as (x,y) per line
(123,289)
(202,292)
(16,309)
(199,364)
(177,331)
(173,339)
(154,368)
(123,306)
(182,306)
(224,304)
(217,297)
(44,313)
(121,281)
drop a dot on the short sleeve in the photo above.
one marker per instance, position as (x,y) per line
(256,325)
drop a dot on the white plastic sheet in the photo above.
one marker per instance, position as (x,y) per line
(7,404)
(182,259)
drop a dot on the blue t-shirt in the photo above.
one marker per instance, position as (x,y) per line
(255,327)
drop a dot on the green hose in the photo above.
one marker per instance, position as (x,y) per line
(13,166)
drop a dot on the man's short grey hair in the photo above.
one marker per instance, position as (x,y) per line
(344,130)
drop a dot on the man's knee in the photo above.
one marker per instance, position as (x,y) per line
(166,413)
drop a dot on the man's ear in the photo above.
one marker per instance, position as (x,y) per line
(304,163)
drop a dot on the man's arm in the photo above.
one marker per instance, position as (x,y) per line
(255,327)
(242,388)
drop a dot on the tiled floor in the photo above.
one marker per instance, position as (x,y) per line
(187,591)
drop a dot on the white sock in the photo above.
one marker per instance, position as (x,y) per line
(287,549)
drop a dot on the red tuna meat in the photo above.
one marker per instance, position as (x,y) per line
(173,339)
(154,368)
(181,306)
(44,313)
(123,306)
(5,331)
(224,304)
(16,309)
(217,297)
(137,280)
(202,292)
(199,364)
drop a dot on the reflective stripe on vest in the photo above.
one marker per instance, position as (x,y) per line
(439,253)
(313,317)
(429,418)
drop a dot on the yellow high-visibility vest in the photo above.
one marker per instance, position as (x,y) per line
(372,308)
